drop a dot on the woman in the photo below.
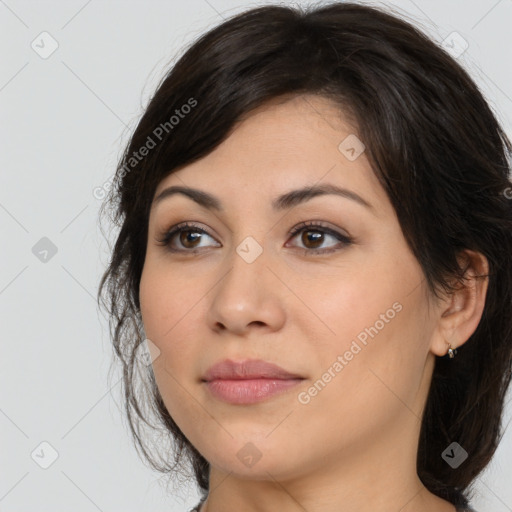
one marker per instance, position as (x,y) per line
(315,230)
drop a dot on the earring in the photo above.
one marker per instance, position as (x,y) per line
(451,351)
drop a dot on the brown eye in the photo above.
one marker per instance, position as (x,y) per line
(313,235)
(188,238)
(312,238)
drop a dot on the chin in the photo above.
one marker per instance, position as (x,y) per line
(255,458)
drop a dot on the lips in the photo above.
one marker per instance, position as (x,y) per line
(248,369)
(248,382)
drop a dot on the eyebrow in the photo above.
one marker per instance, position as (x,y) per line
(283,202)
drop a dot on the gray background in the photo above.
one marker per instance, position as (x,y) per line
(64,121)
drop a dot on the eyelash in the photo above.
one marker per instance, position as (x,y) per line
(186,226)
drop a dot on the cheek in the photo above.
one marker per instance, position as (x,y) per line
(358,305)
(164,315)
(163,302)
(168,310)
(150,295)
(377,324)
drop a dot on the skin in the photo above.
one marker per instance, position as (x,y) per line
(353,446)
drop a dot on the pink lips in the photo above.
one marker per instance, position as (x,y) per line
(249,381)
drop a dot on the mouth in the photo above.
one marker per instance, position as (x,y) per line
(247,382)
(249,391)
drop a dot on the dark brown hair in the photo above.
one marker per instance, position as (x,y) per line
(432,141)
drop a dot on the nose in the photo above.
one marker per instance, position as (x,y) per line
(248,296)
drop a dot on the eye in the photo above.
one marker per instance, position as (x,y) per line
(313,235)
(188,236)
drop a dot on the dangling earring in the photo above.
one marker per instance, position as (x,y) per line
(451,351)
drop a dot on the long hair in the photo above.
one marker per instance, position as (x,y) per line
(432,141)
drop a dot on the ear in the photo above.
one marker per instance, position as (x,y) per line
(459,313)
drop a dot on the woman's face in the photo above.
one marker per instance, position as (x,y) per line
(350,319)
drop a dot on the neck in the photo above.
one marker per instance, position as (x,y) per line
(369,473)
(362,479)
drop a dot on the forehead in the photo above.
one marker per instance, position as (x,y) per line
(289,142)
